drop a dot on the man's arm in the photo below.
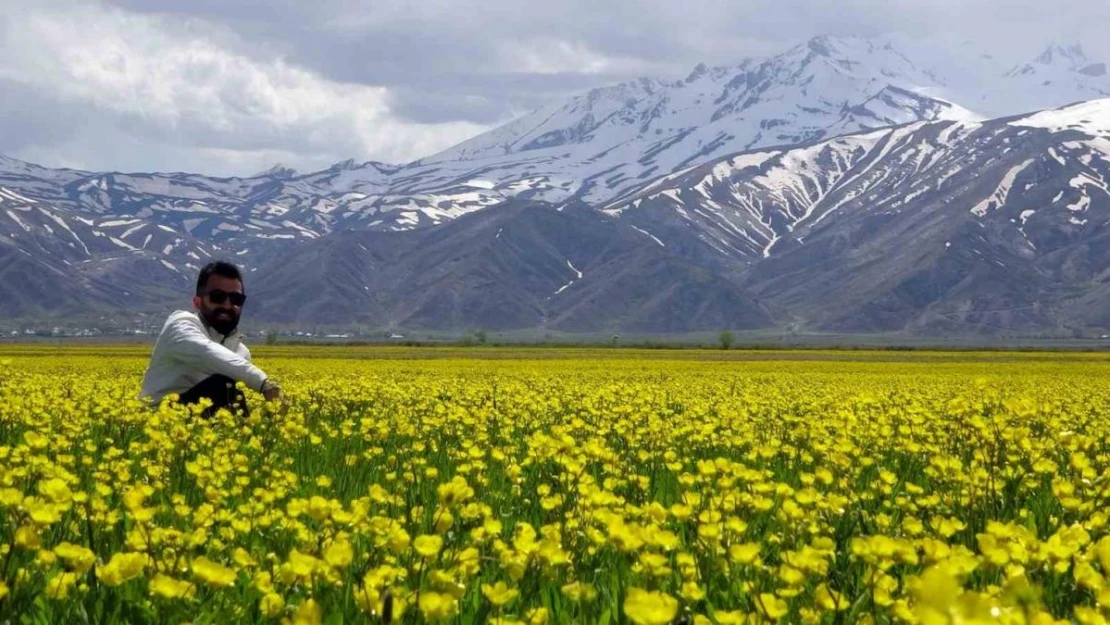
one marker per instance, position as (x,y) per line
(190,345)
(271,390)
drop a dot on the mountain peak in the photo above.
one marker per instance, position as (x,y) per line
(821,44)
(277,171)
(1091,117)
(347,164)
(832,46)
(1061,62)
(701,70)
(1072,55)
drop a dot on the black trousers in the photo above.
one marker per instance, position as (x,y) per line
(221,390)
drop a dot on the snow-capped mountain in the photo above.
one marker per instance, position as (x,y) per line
(753,175)
(612,139)
(932,227)
(943,225)
(593,147)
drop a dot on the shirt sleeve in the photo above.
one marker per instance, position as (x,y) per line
(190,345)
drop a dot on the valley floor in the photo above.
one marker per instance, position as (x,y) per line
(521,485)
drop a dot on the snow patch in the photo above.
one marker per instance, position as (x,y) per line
(18,221)
(998,198)
(123,244)
(1092,117)
(12,195)
(1081,205)
(653,237)
(132,230)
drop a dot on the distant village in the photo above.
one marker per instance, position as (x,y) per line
(140,330)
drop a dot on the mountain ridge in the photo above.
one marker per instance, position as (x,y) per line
(691,232)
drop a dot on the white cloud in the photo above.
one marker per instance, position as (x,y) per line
(229,86)
(176,81)
(549,55)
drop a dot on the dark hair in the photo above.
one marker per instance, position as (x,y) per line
(219,268)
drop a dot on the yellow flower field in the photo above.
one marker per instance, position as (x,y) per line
(562,487)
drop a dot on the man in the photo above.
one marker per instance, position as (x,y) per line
(199,354)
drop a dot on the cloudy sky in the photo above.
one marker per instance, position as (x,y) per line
(233,86)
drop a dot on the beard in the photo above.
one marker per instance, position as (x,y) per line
(221,320)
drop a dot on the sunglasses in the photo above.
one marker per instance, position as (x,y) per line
(217,296)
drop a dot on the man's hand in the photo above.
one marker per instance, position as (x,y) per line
(271,391)
(274,393)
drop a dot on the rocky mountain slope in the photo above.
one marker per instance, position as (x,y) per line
(838,186)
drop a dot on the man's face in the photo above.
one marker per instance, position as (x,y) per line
(215,305)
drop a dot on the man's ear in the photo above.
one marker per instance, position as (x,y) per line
(196,302)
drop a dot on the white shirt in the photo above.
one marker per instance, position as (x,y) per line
(188,351)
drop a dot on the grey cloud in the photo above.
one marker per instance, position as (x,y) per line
(485,98)
(32,117)
(464,33)
(460,61)
(39,127)
(438,53)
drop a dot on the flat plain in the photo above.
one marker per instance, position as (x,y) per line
(592,485)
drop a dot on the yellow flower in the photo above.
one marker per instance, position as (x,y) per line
(300,567)
(436,606)
(692,592)
(46,558)
(656,564)
(263,581)
(42,512)
(36,440)
(649,608)
(80,559)
(59,586)
(243,558)
(772,606)
(428,545)
(579,591)
(747,553)
(829,600)
(499,594)
(121,568)
(56,491)
(308,613)
(212,573)
(537,616)
(10,497)
(734,617)
(170,588)
(455,492)
(3,590)
(444,521)
(339,554)
(28,537)
(271,605)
